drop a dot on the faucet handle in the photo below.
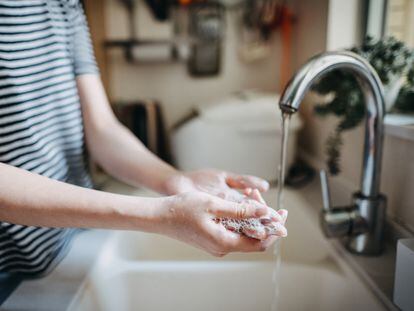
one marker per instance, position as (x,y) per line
(326,195)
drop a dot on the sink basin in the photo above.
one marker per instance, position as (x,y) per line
(138,271)
(195,281)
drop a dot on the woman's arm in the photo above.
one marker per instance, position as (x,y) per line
(122,155)
(113,146)
(31,199)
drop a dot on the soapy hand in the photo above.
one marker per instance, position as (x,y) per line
(215,182)
(225,185)
(192,217)
(271,224)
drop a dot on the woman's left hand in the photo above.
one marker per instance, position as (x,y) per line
(215,182)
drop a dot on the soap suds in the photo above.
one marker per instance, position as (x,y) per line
(256,228)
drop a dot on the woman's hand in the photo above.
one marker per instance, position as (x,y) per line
(190,217)
(215,182)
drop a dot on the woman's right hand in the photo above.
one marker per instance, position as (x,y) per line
(190,217)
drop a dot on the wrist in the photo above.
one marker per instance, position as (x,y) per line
(177,183)
(143,213)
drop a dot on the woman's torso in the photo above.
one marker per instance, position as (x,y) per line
(40,118)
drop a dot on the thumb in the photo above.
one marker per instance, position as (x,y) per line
(245,209)
(255,195)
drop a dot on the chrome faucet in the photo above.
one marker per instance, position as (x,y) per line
(362,223)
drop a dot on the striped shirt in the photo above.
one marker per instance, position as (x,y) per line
(44,45)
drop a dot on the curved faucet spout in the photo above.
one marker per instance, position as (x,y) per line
(372,89)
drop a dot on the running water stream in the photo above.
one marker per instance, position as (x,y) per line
(282,163)
(281,181)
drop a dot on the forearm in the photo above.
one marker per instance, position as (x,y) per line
(30,199)
(113,146)
(123,156)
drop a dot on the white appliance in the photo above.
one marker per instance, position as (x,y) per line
(404,275)
(241,133)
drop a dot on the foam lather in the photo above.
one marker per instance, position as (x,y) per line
(257,228)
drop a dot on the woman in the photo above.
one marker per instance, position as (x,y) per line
(51,98)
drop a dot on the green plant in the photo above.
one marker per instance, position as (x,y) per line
(391,59)
(405,100)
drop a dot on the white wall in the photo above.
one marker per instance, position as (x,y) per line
(344,24)
(171,84)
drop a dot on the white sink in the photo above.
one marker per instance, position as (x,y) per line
(146,272)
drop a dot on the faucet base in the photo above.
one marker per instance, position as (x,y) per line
(368,225)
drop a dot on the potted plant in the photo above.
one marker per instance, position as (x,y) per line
(394,63)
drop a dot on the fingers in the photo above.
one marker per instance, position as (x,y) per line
(248,209)
(254,194)
(264,231)
(248,192)
(226,241)
(232,195)
(272,216)
(257,196)
(277,229)
(258,233)
(243,210)
(280,215)
(284,214)
(223,241)
(247,181)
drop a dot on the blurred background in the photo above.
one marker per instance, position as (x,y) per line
(198,82)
